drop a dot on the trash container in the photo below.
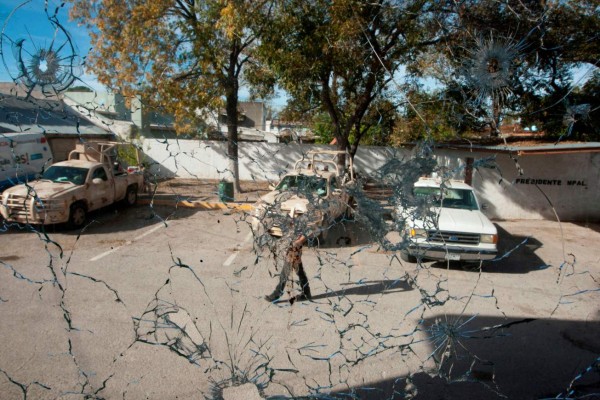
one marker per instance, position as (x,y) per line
(225,191)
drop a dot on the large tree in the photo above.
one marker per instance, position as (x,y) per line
(183,56)
(340,57)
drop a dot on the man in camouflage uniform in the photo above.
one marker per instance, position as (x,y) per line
(288,259)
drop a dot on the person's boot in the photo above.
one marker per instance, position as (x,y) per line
(277,293)
(304,285)
(305,293)
(273,296)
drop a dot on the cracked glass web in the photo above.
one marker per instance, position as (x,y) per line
(162,300)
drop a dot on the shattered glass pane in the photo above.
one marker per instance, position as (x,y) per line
(156,288)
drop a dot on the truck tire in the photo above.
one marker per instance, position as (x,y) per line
(77,215)
(131,196)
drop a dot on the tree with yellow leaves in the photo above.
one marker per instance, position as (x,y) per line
(184,57)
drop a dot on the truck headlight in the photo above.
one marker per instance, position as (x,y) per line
(417,233)
(486,238)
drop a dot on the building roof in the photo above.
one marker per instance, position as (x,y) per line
(48,116)
(14,89)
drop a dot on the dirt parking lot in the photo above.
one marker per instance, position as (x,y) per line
(205,189)
(165,303)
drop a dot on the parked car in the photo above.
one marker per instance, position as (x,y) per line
(445,222)
(315,194)
(90,179)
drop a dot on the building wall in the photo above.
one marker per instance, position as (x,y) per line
(526,187)
(102,102)
(62,145)
(255,114)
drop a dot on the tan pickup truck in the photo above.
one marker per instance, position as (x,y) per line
(90,179)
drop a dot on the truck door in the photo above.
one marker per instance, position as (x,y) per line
(101,189)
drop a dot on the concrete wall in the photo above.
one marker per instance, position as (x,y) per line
(525,187)
(257,161)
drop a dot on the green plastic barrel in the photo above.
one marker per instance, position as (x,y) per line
(225,191)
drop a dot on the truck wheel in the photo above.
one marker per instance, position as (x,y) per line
(77,216)
(131,195)
(405,256)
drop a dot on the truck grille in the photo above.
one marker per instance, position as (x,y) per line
(18,205)
(453,237)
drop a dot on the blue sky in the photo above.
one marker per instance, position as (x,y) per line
(27,20)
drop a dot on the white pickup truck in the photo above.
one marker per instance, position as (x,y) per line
(314,195)
(90,179)
(446,223)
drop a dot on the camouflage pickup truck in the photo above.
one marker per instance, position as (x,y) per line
(90,179)
(314,195)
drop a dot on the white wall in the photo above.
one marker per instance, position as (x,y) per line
(257,161)
(569,183)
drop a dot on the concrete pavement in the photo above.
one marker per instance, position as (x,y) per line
(141,300)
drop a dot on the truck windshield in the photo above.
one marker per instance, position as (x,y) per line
(304,183)
(451,198)
(66,174)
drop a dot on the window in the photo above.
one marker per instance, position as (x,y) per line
(100,173)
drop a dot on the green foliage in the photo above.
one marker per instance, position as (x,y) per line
(323,129)
(130,155)
(340,57)
(426,116)
(339,62)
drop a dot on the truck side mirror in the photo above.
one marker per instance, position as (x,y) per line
(97,181)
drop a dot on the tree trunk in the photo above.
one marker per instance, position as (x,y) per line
(232,137)
(495,125)
(342,142)
(231,109)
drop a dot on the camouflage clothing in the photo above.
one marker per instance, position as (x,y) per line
(288,259)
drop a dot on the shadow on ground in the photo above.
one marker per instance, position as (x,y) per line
(368,288)
(114,218)
(494,358)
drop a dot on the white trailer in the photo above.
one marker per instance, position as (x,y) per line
(23,156)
